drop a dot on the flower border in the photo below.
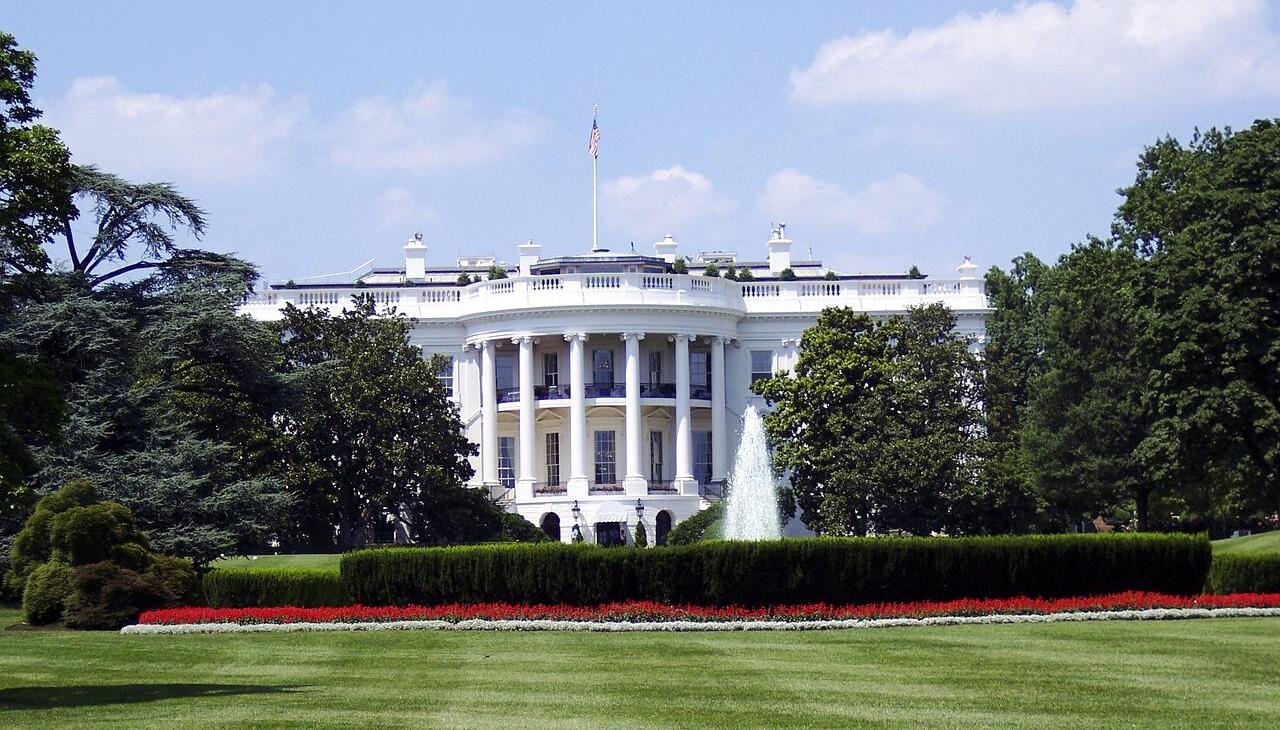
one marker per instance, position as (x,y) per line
(1149,614)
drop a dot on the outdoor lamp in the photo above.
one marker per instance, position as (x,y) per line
(639,508)
(577,511)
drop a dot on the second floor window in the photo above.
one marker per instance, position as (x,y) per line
(445,373)
(505,371)
(606,458)
(602,367)
(655,367)
(700,369)
(761,364)
(550,370)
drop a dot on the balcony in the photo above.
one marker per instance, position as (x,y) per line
(550,392)
(662,487)
(657,390)
(605,390)
(542,489)
(605,488)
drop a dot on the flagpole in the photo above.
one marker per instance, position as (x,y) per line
(595,225)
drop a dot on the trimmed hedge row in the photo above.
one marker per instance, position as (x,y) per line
(831,570)
(253,587)
(1244,574)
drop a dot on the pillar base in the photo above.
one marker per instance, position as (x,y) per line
(635,486)
(687,486)
(524,489)
(577,487)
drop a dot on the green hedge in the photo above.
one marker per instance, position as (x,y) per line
(834,570)
(250,587)
(1248,573)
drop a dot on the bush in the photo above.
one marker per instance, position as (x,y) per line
(702,526)
(787,274)
(98,532)
(107,596)
(641,535)
(517,529)
(679,266)
(46,591)
(1244,574)
(253,587)
(178,575)
(832,570)
(32,545)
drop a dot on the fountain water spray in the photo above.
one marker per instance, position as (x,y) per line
(751,512)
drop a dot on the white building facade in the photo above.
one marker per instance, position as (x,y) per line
(606,389)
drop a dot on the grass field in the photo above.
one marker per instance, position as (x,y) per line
(1265,542)
(1208,673)
(321,560)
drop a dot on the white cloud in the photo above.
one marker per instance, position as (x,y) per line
(899,202)
(398,207)
(1046,54)
(661,202)
(427,130)
(220,136)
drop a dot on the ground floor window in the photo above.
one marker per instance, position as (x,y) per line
(606,457)
(506,461)
(609,533)
(702,456)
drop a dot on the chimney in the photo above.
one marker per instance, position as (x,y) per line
(415,258)
(528,256)
(967,268)
(666,249)
(779,249)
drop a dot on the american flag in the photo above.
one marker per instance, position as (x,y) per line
(593,144)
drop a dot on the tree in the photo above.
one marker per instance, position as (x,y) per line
(35,169)
(1085,415)
(497,272)
(787,274)
(679,266)
(914,272)
(1205,215)
(831,276)
(376,436)
(712,270)
(879,424)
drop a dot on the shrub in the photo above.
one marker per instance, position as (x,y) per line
(679,266)
(178,575)
(704,525)
(517,529)
(253,587)
(1244,574)
(711,270)
(641,535)
(832,570)
(787,274)
(47,589)
(107,596)
(32,545)
(831,276)
(744,274)
(98,532)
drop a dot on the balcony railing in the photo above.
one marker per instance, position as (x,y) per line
(657,390)
(605,390)
(662,487)
(550,392)
(605,488)
(550,489)
(700,392)
(508,395)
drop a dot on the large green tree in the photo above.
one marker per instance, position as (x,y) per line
(1207,216)
(880,424)
(375,437)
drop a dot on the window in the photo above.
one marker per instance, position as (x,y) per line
(700,369)
(606,458)
(550,369)
(505,371)
(655,367)
(506,461)
(702,456)
(761,364)
(445,374)
(553,459)
(655,456)
(602,367)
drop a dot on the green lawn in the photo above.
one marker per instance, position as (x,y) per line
(1208,673)
(321,560)
(1265,542)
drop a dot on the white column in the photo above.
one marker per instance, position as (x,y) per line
(719,432)
(633,481)
(488,415)
(527,448)
(684,480)
(577,484)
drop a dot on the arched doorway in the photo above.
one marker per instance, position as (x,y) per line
(551,525)
(663,527)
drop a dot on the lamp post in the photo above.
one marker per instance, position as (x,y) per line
(577,511)
(639,508)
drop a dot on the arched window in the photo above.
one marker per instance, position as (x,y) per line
(550,524)
(663,527)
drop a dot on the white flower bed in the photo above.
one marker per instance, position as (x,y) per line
(1149,614)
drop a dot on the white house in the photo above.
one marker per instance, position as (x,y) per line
(604,388)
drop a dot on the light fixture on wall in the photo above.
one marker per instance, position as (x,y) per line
(639,508)
(577,511)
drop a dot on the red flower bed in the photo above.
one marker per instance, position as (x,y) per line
(648,611)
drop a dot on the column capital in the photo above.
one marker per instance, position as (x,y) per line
(720,340)
(485,345)
(631,336)
(522,340)
(681,336)
(579,336)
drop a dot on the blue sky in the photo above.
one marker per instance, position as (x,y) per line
(319,135)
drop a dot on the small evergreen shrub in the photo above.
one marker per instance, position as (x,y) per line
(831,570)
(787,274)
(704,525)
(46,591)
(1244,574)
(107,596)
(253,587)
(831,276)
(641,535)
(711,270)
(744,274)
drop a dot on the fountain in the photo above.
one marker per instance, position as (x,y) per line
(751,512)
